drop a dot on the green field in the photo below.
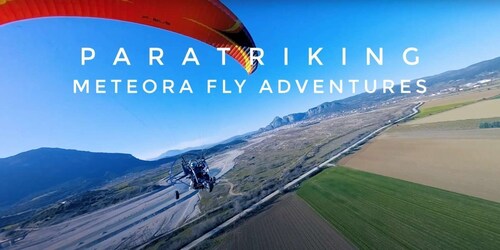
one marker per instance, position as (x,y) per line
(439,109)
(374,211)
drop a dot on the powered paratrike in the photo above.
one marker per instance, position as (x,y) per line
(195,174)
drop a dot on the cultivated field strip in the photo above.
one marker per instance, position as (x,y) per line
(386,213)
(287,224)
(478,110)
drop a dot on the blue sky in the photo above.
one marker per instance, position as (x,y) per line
(40,58)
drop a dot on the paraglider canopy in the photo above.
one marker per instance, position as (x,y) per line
(206,20)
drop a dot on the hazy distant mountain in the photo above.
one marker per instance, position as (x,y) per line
(453,78)
(55,172)
(175,152)
(203,148)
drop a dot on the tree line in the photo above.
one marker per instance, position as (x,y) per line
(495,124)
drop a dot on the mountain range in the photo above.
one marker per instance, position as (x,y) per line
(51,173)
(39,177)
(45,175)
(453,78)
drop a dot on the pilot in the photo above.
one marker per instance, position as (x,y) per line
(198,169)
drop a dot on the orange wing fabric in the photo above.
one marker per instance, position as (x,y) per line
(209,21)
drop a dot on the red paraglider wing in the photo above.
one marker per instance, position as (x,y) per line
(206,20)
